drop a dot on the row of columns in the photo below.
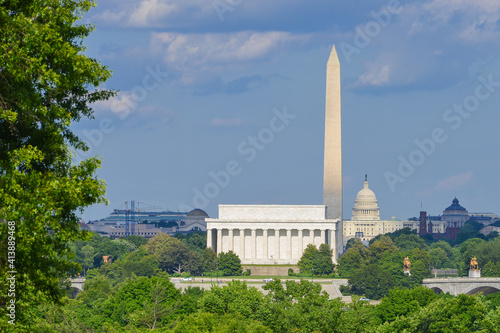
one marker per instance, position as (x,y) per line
(218,246)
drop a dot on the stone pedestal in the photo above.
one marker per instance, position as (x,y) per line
(474,273)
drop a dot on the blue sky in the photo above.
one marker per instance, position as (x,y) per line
(222,102)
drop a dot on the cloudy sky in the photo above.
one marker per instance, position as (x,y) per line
(222,102)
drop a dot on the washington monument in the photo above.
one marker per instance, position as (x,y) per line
(332,179)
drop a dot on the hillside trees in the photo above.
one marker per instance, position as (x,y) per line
(46,84)
(173,255)
(375,270)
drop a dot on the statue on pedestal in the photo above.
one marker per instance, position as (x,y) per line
(474,271)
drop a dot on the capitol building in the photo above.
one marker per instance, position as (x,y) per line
(365,223)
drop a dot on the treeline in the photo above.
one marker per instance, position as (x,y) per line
(374,270)
(141,304)
(181,251)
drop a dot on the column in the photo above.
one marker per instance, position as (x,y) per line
(311,236)
(265,255)
(209,239)
(253,241)
(219,240)
(242,244)
(277,243)
(323,239)
(230,240)
(289,240)
(301,242)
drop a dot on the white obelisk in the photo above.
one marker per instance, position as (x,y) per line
(332,180)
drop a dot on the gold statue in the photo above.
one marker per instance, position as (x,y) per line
(106,259)
(407,265)
(473,264)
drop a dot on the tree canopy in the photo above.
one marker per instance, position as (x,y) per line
(46,84)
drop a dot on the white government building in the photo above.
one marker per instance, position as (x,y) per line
(278,234)
(269,234)
(365,223)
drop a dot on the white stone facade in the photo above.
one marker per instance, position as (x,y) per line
(270,234)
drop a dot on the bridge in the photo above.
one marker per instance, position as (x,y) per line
(77,283)
(464,285)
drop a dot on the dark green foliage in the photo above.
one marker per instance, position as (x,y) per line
(136,240)
(469,230)
(354,258)
(204,322)
(402,302)
(208,260)
(302,307)
(493,301)
(317,261)
(195,241)
(229,264)
(375,270)
(372,281)
(394,235)
(410,242)
(461,314)
(496,223)
(491,269)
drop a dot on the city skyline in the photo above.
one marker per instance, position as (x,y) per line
(202,85)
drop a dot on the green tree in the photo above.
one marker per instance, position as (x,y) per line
(491,269)
(173,255)
(229,264)
(208,260)
(236,299)
(402,302)
(88,256)
(136,240)
(323,263)
(306,262)
(143,301)
(461,314)
(372,281)
(46,84)
(438,257)
(354,258)
(317,261)
(410,242)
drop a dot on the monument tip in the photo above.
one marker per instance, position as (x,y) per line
(333,59)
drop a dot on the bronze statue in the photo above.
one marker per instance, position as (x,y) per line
(407,263)
(473,264)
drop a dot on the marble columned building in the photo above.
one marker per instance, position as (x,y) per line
(269,234)
(278,234)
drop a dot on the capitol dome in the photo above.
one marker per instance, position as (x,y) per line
(366,205)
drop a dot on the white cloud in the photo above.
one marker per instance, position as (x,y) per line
(451,183)
(153,13)
(150,11)
(195,55)
(475,20)
(375,75)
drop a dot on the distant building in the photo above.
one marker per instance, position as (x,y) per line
(142,223)
(365,223)
(194,221)
(447,225)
